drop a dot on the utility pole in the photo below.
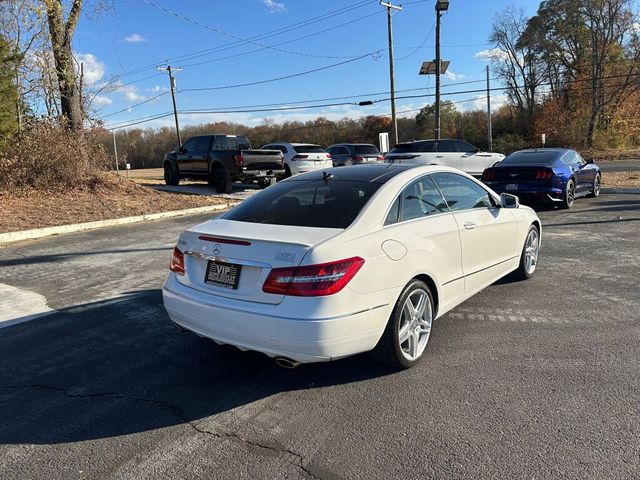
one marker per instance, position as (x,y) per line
(172,84)
(115,151)
(394,121)
(489,134)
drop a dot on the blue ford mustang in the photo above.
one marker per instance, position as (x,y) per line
(557,175)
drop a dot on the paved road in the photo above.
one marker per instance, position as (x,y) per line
(626,166)
(535,379)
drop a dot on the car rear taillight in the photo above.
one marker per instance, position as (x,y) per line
(356,158)
(312,280)
(177,262)
(380,158)
(300,157)
(329,157)
(488,174)
(544,174)
(239,160)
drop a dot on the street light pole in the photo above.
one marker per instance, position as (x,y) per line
(394,120)
(438,64)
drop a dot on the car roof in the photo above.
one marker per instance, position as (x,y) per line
(559,152)
(380,173)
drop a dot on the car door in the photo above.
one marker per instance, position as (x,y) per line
(487,232)
(447,154)
(584,173)
(421,221)
(470,161)
(185,155)
(201,154)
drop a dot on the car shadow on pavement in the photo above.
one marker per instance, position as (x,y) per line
(59,257)
(120,367)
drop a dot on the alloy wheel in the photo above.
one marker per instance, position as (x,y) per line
(531,249)
(415,324)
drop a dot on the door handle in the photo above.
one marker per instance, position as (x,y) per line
(470,226)
(438,156)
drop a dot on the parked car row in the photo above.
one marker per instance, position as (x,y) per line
(554,175)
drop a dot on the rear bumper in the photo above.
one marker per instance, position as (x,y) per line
(304,340)
(539,193)
(260,173)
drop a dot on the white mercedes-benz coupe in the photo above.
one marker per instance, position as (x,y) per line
(336,262)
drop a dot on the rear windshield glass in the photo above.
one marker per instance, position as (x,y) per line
(317,203)
(366,149)
(309,149)
(402,148)
(529,157)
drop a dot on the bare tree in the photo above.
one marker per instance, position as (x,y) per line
(61,29)
(516,60)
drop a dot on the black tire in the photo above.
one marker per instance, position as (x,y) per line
(171,177)
(221,181)
(388,350)
(264,183)
(595,189)
(287,171)
(569,196)
(525,269)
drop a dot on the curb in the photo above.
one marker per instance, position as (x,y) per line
(11,237)
(620,190)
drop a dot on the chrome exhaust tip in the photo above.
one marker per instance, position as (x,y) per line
(286,363)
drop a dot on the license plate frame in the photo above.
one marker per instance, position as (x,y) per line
(511,187)
(226,279)
(262,173)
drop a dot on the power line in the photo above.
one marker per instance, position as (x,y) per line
(134,105)
(264,35)
(231,35)
(284,77)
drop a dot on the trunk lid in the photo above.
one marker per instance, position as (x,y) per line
(254,248)
(262,159)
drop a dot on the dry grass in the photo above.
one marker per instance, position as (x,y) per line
(110,197)
(611,155)
(621,179)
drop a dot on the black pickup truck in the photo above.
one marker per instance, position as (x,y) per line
(222,159)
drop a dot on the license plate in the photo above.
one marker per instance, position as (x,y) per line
(222,274)
(262,173)
(511,186)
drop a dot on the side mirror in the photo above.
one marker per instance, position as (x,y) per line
(509,201)
(243,146)
(589,160)
(476,150)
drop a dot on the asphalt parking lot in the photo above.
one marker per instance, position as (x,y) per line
(535,379)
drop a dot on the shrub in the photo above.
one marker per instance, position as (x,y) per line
(510,142)
(49,156)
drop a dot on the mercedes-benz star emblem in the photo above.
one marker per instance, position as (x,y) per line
(217,249)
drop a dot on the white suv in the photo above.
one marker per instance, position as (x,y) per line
(301,157)
(451,153)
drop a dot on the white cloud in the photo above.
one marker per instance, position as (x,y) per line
(102,101)
(157,89)
(480,103)
(491,54)
(451,75)
(129,92)
(135,38)
(274,6)
(93,70)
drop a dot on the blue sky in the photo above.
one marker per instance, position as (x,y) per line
(129,41)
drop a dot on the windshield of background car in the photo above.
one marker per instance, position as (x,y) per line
(332,203)
(366,149)
(309,149)
(529,157)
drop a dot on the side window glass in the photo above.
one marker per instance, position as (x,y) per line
(202,147)
(446,146)
(569,158)
(190,145)
(427,147)
(421,198)
(392,216)
(343,151)
(465,147)
(462,193)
